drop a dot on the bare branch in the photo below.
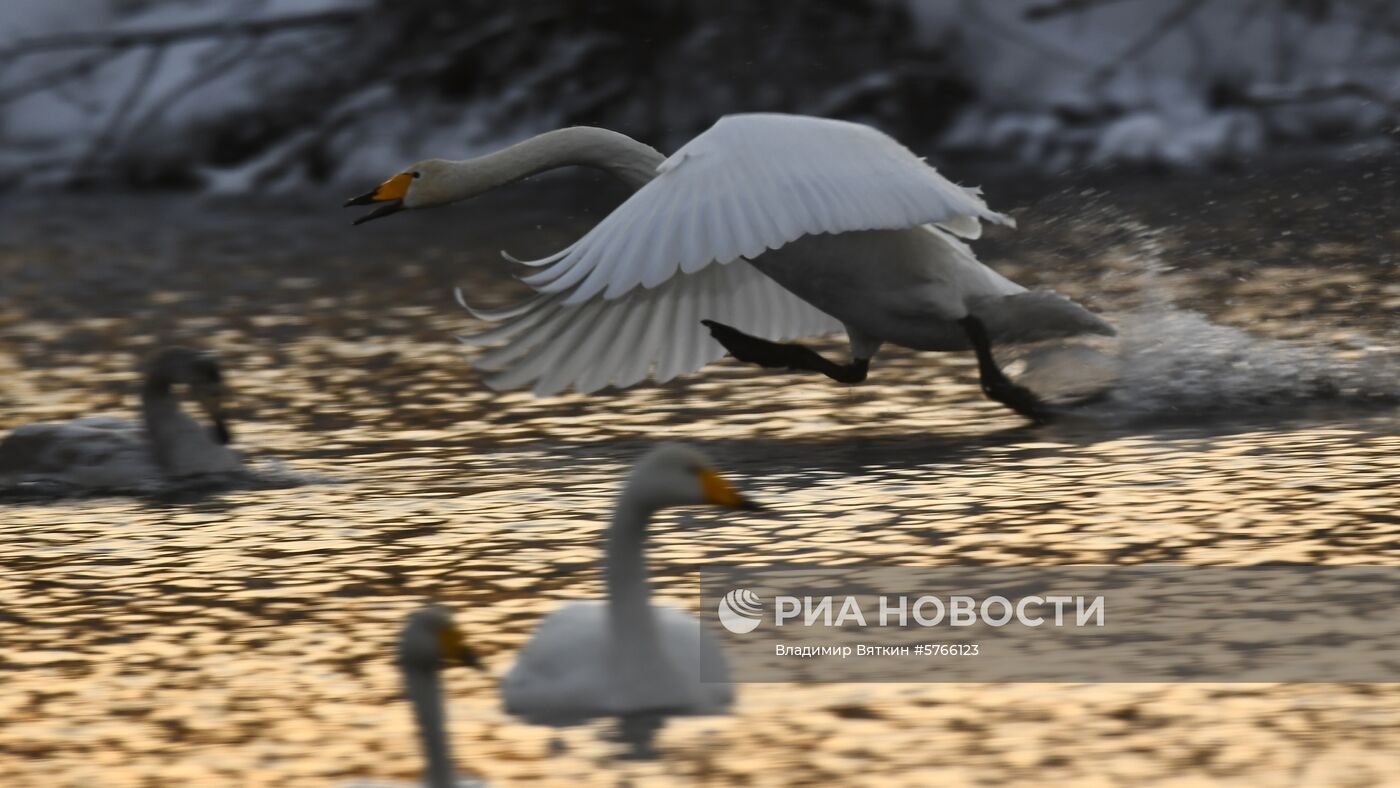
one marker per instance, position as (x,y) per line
(54,76)
(1248,13)
(1055,8)
(1266,95)
(1183,11)
(137,89)
(976,12)
(160,36)
(213,67)
(283,155)
(1373,18)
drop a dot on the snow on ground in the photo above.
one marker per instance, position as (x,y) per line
(1126,84)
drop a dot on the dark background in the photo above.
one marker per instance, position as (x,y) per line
(237,95)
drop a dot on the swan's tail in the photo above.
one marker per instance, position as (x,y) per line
(1036,315)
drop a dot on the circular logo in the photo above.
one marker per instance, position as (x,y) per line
(740,611)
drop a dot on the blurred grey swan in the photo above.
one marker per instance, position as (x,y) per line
(766,227)
(109,453)
(429,641)
(625,657)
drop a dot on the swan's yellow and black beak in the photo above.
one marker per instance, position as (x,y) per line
(211,401)
(720,492)
(390,193)
(454,648)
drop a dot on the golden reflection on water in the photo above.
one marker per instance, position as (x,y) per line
(244,639)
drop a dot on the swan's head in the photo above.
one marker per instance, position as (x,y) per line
(675,475)
(199,372)
(431,640)
(422,185)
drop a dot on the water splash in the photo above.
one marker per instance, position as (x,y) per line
(1171,361)
(1177,362)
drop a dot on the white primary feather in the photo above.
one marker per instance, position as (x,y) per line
(554,345)
(753,183)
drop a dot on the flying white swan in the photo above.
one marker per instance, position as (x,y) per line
(429,641)
(108,453)
(765,227)
(625,657)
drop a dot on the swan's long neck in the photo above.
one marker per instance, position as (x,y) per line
(632,162)
(424,691)
(630,618)
(160,411)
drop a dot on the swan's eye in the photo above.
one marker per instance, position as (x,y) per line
(417,175)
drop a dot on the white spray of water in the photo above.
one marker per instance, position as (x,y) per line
(1168,360)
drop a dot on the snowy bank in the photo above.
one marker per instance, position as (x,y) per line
(237,95)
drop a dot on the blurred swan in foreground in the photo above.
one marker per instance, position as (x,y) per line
(765,227)
(429,641)
(625,657)
(108,453)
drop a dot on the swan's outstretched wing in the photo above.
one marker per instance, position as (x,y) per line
(752,183)
(553,345)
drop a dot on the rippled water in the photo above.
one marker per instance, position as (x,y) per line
(244,638)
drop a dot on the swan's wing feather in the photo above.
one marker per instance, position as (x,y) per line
(753,183)
(964,227)
(553,345)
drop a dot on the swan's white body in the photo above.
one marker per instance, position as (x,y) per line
(626,657)
(105,453)
(99,452)
(780,226)
(921,281)
(571,670)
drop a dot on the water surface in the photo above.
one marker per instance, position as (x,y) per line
(244,638)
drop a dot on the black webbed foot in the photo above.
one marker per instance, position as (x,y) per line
(1018,398)
(995,384)
(753,350)
(777,355)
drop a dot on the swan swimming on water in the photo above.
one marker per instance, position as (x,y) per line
(429,641)
(764,228)
(107,453)
(625,657)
